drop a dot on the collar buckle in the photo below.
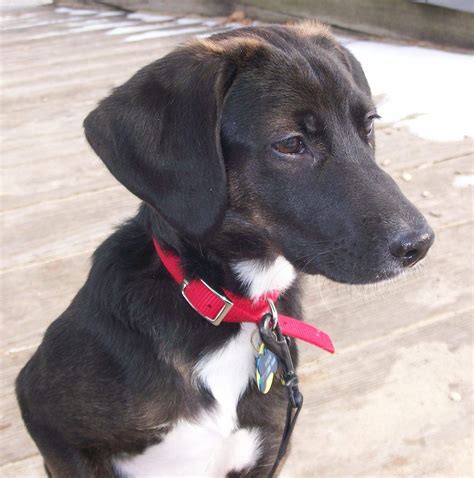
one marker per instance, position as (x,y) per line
(226,306)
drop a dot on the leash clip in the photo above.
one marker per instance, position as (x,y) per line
(276,342)
(272,337)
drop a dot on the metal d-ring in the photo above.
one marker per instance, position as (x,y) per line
(274,313)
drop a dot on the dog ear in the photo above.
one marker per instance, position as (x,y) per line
(355,68)
(159,135)
(322,33)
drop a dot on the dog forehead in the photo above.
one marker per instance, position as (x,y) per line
(297,65)
(298,71)
(293,90)
(275,49)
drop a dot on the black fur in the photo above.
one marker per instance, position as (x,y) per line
(192,135)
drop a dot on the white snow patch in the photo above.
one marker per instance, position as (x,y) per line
(210,23)
(110,14)
(42,36)
(101,26)
(147,17)
(463,181)
(234,25)
(188,21)
(80,22)
(8,18)
(136,29)
(163,33)
(74,11)
(32,25)
(428,91)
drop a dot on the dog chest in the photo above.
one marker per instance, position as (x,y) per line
(211,444)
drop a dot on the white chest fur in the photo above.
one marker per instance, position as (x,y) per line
(212,445)
(261,278)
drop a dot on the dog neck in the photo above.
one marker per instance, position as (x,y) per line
(261,277)
(253,278)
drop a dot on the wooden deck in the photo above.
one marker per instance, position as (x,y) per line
(395,400)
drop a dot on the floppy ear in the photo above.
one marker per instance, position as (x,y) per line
(159,135)
(356,70)
(322,33)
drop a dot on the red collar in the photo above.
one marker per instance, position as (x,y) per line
(228,307)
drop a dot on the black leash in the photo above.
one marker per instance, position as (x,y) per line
(272,337)
(288,430)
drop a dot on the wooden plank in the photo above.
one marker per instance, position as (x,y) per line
(17,445)
(397,18)
(434,191)
(427,173)
(32,297)
(398,149)
(60,40)
(98,72)
(401,407)
(201,7)
(29,467)
(61,177)
(71,53)
(74,225)
(19,153)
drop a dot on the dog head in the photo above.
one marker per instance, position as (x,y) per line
(259,143)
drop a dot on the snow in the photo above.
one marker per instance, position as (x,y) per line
(148,17)
(163,34)
(426,90)
(75,11)
(463,181)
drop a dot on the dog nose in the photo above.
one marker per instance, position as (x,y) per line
(412,246)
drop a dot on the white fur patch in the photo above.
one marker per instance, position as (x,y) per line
(211,445)
(261,278)
(227,373)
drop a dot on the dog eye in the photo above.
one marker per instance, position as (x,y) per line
(369,123)
(292,145)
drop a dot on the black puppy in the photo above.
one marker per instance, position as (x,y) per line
(253,152)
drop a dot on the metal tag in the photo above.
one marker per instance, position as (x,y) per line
(266,365)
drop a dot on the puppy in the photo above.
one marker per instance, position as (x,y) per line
(253,153)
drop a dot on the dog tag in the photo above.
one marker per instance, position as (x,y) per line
(266,367)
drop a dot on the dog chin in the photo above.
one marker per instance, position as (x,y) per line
(362,276)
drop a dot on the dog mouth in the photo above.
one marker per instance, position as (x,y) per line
(369,258)
(361,275)
(350,268)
